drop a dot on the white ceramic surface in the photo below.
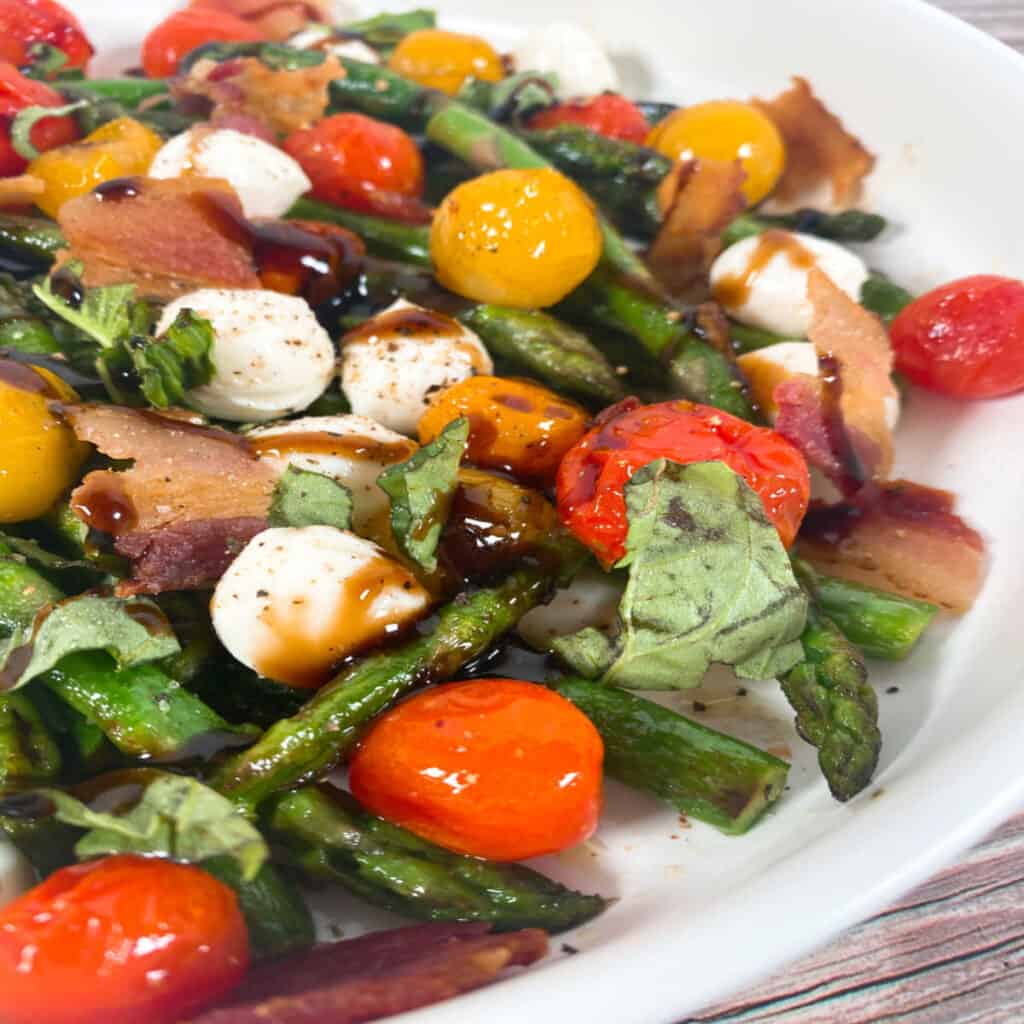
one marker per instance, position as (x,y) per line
(699,914)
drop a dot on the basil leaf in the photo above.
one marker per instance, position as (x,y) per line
(305,498)
(32,552)
(421,491)
(107,315)
(709,581)
(176,817)
(176,362)
(132,630)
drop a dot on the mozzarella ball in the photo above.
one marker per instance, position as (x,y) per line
(271,355)
(768,367)
(297,601)
(762,281)
(267,180)
(573,54)
(394,363)
(352,449)
(318,37)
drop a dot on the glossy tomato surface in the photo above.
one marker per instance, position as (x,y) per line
(16,93)
(609,114)
(28,23)
(495,768)
(964,339)
(183,31)
(121,940)
(593,475)
(360,163)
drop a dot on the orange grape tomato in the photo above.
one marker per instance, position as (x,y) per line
(177,36)
(444,60)
(495,768)
(120,940)
(516,426)
(593,475)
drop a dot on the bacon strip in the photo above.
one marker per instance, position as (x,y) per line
(191,555)
(164,236)
(181,472)
(284,100)
(909,540)
(700,198)
(377,975)
(843,330)
(818,148)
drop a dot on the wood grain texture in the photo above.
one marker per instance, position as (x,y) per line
(951,952)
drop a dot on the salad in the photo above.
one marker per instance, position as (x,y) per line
(340,367)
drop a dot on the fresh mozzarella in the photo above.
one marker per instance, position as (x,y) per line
(271,355)
(768,367)
(762,281)
(316,37)
(267,180)
(573,54)
(394,363)
(352,449)
(297,601)
(16,875)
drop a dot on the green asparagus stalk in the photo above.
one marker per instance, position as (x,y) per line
(847,226)
(836,709)
(27,751)
(749,339)
(276,915)
(377,92)
(33,240)
(385,31)
(27,820)
(545,347)
(333,838)
(884,297)
(700,772)
(128,91)
(387,239)
(881,624)
(327,727)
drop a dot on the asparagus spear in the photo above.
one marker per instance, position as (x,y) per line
(332,837)
(27,751)
(749,339)
(836,709)
(27,820)
(884,297)
(882,625)
(385,31)
(847,226)
(547,348)
(327,727)
(701,772)
(33,240)
(128,91)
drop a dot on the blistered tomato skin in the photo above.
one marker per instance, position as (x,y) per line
(964,339)
(609,114)
(523,238)
(16,93)
(26,23)
(352,159)
(725,130)
(39,456)
(120,940)
(593,475)
(514,425)
(183,31)
(495,768)
(444,60)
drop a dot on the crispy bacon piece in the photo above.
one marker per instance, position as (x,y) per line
(818,148)
(182,471)
(283,100)
(700,198)
(906,539)
(278,19)
(377,975)
(185,556)
(162,235)
(845,331)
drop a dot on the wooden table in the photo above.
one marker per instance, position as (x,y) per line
(951,952)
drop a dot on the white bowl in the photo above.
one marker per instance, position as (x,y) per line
(700,915)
